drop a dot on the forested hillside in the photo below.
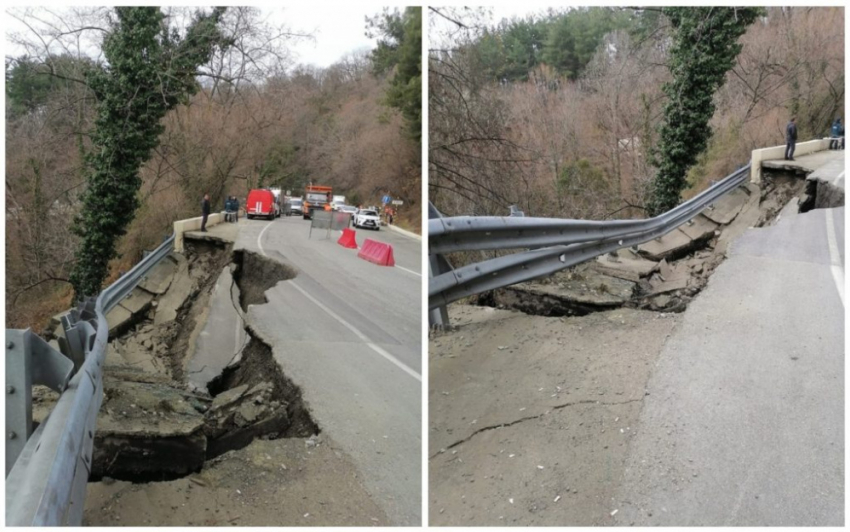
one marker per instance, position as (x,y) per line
(257,119)
(560,112)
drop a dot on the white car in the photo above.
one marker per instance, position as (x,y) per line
(349,209)
(367,219)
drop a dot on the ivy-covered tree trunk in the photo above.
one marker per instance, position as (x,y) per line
(705,45)
(150,70)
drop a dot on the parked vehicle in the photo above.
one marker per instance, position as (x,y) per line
(367,219)
(349,209)
(261,202)
(338,201)
(297,205)
(316,197)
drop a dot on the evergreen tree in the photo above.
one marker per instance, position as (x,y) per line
(705,45)
(150,69)
(400,48)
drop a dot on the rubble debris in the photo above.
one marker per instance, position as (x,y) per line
(662,275)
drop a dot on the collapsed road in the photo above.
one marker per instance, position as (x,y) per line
(695,380)
(223,407)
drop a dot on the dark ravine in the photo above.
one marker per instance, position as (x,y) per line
(821,195)
(254,274)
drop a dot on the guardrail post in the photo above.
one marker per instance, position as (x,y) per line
(18,395)
(29,360)
(437,264)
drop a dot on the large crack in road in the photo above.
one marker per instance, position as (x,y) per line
(187,417)
(154,426)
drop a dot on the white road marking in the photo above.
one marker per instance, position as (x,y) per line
(839,178)
(359,334)
(260,237)
(376,348)
(835,257)
(409,271)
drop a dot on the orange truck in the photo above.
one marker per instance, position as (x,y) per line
(316,197)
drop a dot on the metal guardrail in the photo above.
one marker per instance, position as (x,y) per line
(46,486)
(553,244)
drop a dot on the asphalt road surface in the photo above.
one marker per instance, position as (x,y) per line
(744,423)
(348,332)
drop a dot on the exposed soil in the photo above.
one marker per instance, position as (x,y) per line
(263,273)
(286,482)
(531,417)
(257,367)
(821,195)
(243,451)
(153,425)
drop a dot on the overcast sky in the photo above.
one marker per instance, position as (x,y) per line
(337,29)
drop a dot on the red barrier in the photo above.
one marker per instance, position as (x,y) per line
(377,252)
(347,240)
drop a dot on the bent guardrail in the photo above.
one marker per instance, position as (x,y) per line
(553,244)
(46,486)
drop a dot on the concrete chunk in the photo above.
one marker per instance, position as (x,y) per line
(137,302)
(147,431)
(229,397)
(701,228)
(727,208)
(625,266)
(177,293)
(159,278)
(665,247)
(117,318)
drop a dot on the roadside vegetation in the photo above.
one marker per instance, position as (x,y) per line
(573,113)
(225,110)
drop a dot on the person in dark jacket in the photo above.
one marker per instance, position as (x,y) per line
(790,139)
(235,205)
(205,212)
(837,135)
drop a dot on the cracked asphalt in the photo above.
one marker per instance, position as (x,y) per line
(531,417)
(729,414)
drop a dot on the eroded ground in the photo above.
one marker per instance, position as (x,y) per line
(537,389)
(231,444)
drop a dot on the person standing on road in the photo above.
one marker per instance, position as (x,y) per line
(235,205)
(836,134)
(790,139)
(227,208)
(205,212)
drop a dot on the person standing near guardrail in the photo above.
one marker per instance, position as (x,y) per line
(790,139)
(205,212)
(228,202)
(836,134)
(235,205)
